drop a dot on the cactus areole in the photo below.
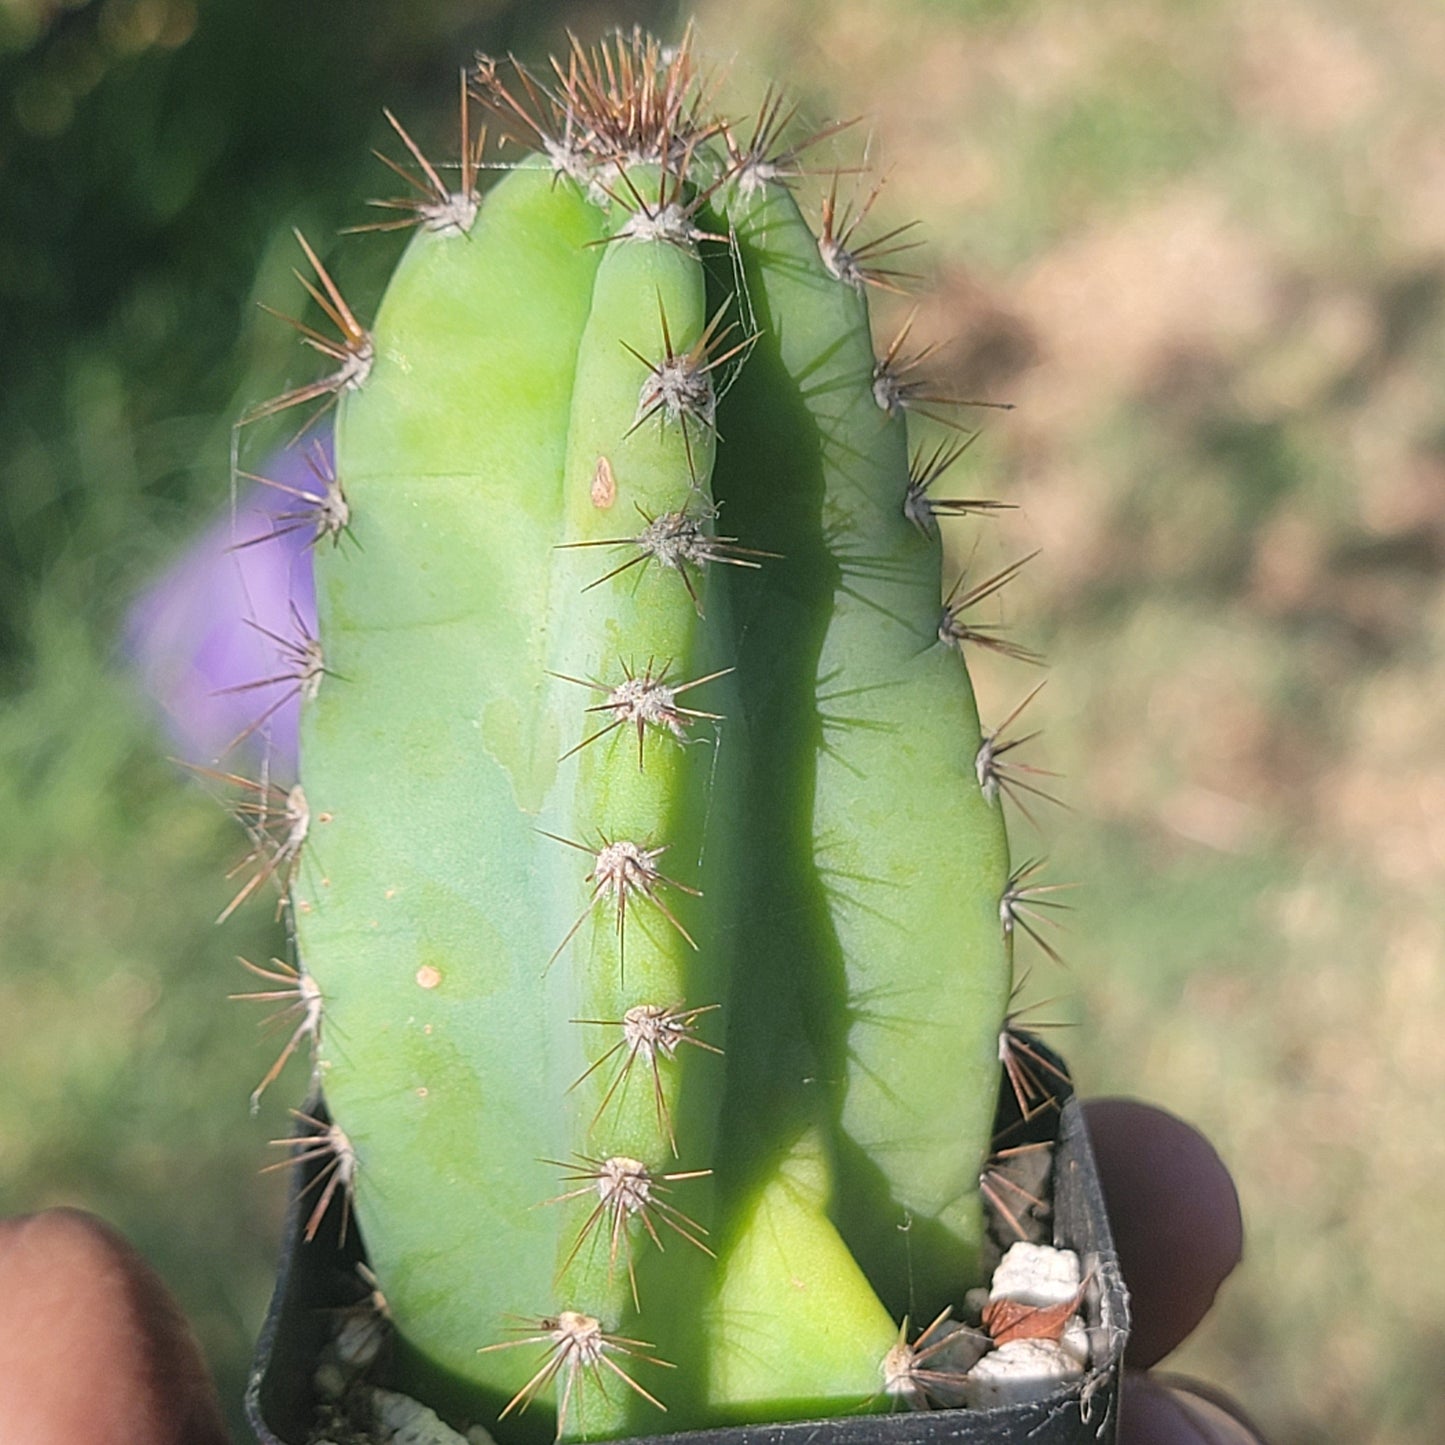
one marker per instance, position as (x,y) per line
(655,919)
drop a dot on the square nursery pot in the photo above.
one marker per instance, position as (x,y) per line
(1042,1184)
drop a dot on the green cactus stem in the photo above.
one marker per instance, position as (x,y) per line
(654,888)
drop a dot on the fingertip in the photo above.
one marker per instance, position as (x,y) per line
(92,1345)
(1175,1216)
(1171,1411)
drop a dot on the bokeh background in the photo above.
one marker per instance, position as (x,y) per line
(1200,247)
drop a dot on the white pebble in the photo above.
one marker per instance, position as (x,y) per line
(1036,1274)
(1019,1371)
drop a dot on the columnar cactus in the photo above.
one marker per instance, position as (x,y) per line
(651,890)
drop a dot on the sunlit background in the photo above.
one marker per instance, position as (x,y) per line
(1200,247)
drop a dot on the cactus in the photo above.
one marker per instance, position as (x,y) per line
(651,891)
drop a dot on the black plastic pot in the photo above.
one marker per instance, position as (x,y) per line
(317,1279)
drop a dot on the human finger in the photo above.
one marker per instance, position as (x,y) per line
(1175,1215)
(92,1345)
(1164,1410)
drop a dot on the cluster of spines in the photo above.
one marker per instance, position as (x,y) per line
(608,110)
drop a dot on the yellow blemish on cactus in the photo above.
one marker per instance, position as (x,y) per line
(604,485)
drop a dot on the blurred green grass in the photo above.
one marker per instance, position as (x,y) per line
(1200,246)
